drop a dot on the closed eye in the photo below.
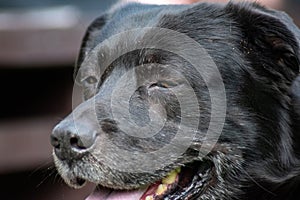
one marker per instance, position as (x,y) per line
(163,84)
(90,80)
(89,87)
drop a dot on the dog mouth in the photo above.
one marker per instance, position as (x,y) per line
(188,182)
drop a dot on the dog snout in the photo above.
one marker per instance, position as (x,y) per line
(71,141)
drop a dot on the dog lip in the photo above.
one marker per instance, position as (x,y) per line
(77,182)
(81,182)
(142,193)
(194,177)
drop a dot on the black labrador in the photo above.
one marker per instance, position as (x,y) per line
(197,101)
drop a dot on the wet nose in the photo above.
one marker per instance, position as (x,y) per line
(70,141)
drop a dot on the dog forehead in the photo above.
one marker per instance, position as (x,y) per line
(132,23)
(134,16)
(125,18)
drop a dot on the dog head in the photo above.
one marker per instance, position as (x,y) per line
(184,102)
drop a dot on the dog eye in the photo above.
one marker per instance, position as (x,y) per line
(90,80)
(163,84)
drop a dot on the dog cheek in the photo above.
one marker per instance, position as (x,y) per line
(139,111)
(62,170)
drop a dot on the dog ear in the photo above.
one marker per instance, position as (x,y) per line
(295,94)
(96,25)
(269,39)
(295,90)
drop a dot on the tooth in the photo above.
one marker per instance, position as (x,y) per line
(161,189)
(171,177)
(149,198)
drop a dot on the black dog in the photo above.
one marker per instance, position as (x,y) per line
(153,84)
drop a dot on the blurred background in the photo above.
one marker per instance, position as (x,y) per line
(39,42)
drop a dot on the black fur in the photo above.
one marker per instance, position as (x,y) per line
(257,53)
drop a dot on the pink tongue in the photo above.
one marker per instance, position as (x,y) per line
(106,194)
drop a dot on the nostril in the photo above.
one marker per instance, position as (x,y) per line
(76,143)
(73,141)
(55,142)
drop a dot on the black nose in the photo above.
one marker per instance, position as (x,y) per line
(71,141)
